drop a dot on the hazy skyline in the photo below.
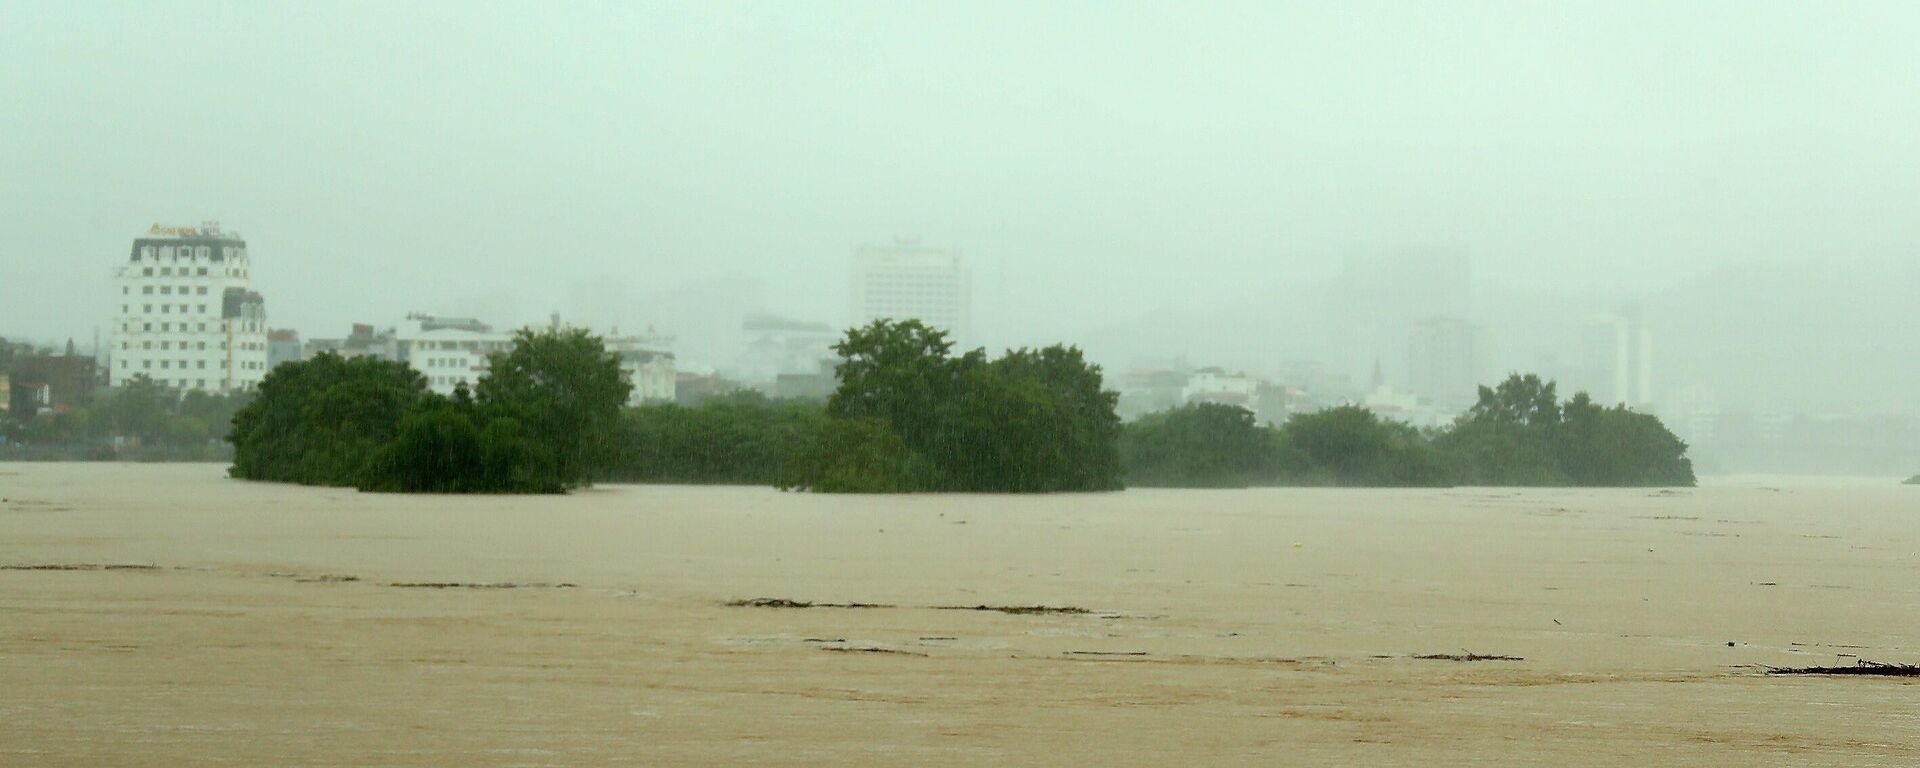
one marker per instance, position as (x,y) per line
(1099,165)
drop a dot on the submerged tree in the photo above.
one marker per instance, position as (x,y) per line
(565,390)
(1031,421)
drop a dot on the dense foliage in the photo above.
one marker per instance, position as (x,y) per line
(1204,445)
(141,419)
(537,423)
(1519,433)
(910,416)
(739,438)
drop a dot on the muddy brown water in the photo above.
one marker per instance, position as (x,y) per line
(1256,627)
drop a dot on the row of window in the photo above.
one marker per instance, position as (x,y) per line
(165,289)
(164,309)
(190,253)
(454,361)
(473,345)
(202,364)
(242,327)
(182,272)
(165,345)
(192,383)
(447,381)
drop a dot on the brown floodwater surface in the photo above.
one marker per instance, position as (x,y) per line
(165,615)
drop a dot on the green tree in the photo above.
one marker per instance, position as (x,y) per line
(320,421)
(1355,447)
(1203,445)
(565,390)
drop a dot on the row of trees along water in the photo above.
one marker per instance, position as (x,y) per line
(141,420)
(1518,433)
(909,415)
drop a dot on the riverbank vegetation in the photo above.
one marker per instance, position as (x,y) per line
(1518,433)
(909,415)
(140,421)
(538,421)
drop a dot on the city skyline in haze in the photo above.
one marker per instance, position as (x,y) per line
(1144,181)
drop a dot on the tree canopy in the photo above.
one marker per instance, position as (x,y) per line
(910,415)
(540,422)
(1519,433)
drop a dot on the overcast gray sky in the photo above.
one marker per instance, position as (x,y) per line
(1101,164)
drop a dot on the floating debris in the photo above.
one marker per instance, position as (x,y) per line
(1861,667)
(1469,656)
(781,602)
(869,649)
(1019,610)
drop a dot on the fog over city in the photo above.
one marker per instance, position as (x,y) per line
(1244,186)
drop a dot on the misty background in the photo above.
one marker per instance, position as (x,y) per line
(1210,183)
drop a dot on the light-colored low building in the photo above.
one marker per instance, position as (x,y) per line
(449,352)
(649,364)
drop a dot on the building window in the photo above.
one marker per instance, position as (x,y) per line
(149,326)
(203,309)
(146,345)
(166,271)
(149,272)
(203,273)
(203,290)
(166,308)
(203,364)
(146,364)
(165,327)
(123,309)
(163,364)
(146,289)
(164,344)
(166,289)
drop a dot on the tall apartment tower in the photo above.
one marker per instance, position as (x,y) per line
(906,280)
(1618,359)
(1445,358)
(188,315)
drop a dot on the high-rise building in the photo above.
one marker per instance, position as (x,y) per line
(188,315)
(909,281)
(1616,366)
(1444,360)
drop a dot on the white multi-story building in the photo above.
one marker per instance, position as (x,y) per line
(449,352)
(909,281)
(648,364)
(188,315)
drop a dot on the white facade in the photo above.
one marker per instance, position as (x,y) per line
(188,317)
(648,365)
(1212,385)
(906,280)
(1444,361)
(449,357)
(1618,360)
